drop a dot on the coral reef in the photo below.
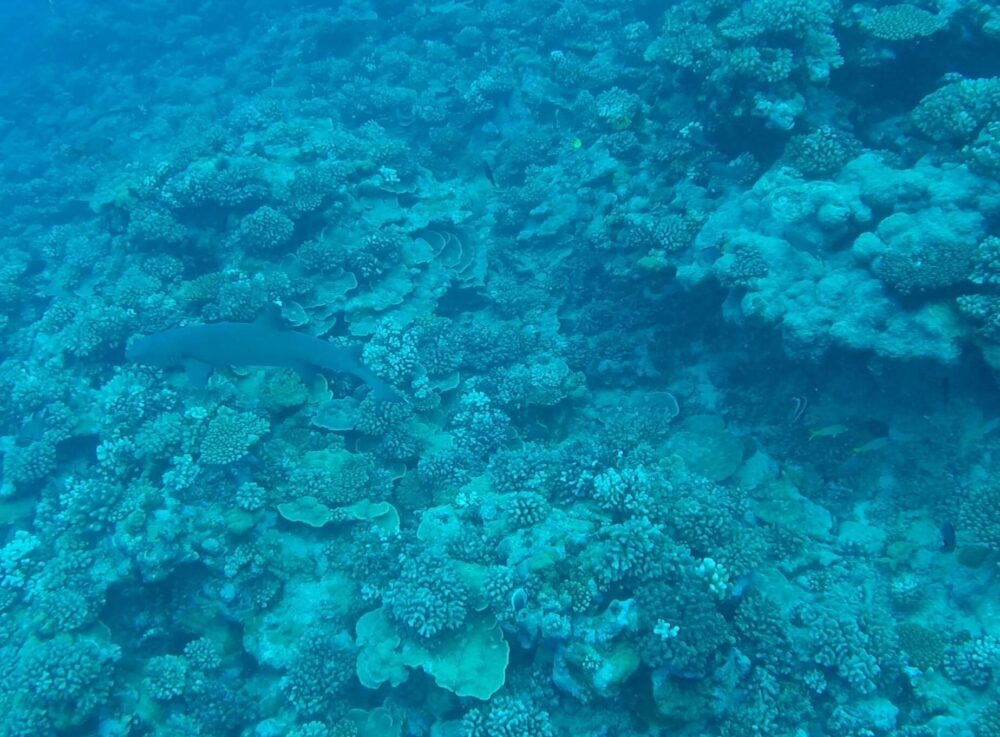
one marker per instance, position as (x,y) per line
(693,314)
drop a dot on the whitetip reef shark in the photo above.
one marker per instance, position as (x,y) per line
(200,349)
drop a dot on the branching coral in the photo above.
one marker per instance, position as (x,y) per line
(428,598)
(229,435)
(957,111)
(322,666)
(69,677)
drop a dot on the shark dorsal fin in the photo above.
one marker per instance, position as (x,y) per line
(270,317)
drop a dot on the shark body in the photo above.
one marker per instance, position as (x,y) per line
(200,349)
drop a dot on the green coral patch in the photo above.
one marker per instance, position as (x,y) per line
(707,448)
(308,510)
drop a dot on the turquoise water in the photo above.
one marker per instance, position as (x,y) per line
(491,369)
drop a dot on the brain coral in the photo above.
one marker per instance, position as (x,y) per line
(979,515)
(923,646)
(925,269)
(928,250)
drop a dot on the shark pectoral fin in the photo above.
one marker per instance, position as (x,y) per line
(197,372)
(307,373)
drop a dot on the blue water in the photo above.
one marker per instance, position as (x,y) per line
(624,369)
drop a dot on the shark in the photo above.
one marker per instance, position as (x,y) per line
(201,349)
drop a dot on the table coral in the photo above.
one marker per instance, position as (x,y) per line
(902,22)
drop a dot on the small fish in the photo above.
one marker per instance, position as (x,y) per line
(518,599)
(709,255)
(947,537)
(488,172)
(830,431)
(873,444)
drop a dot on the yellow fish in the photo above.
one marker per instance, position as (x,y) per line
(830,431)
(873,444)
